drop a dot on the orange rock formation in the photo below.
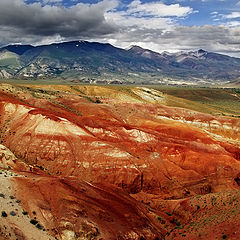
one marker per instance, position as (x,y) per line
(148,149)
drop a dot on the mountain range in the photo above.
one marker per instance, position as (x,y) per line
(93,62)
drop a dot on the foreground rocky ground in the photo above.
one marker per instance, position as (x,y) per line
(86,162)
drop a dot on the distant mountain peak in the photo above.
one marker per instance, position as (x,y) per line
(201,51)
(18,48)
(138,49)
(135,48)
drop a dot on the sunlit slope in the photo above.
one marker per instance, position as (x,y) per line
(35,205)
(8,58)
(210,100)
(215,101)
(9,62)
(121,135)
(83,149)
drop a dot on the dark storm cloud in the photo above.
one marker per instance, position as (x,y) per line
(32,20)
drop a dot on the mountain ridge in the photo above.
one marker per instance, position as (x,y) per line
(81,60)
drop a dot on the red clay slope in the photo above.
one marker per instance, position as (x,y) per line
(153,151)
(69,207)
(145,151)
(42,207)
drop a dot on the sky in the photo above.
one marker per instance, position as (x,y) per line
(166,25)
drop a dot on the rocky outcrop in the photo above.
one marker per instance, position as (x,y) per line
(4,74)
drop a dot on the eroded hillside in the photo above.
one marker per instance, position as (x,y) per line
(75,154)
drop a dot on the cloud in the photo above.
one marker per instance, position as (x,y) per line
(31,20)
(232,15)
(212,38)
(229,20)
(43,20)
(214,13)
(52,1)
(131,23)
(233,24)
(146,18)
(153,25)
(143,23)
(157,9)
(161,31)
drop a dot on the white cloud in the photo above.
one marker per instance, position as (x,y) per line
(138,23)
(232,15)
(214,13)
(158,9)
(51,1)
(229,20)
(233,24)
(220,39)
(147,17)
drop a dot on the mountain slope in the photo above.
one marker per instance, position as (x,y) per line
(18,49)
(84,57)
(9,63)
(83,60)
(198,64)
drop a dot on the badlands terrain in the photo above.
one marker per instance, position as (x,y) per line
(117,162)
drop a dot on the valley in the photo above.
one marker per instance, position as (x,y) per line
(119,162)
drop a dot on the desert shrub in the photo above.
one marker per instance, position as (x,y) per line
(4,214)
(178,223)
(12,213)
(39,226)
(33,221)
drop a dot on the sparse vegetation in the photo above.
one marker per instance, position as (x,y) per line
(33,221)
(39,226)
(13,213)
(4,214)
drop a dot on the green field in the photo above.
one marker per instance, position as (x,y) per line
(217,101)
